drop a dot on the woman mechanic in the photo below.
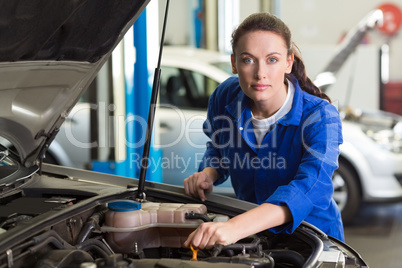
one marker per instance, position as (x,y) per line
(275,134)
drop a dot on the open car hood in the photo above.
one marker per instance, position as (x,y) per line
(347,46)
(50,51)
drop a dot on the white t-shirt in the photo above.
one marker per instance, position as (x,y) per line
(262,126)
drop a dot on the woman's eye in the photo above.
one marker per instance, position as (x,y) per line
(272,60)
(247,60)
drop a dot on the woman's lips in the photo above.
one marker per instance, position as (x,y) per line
(260,87)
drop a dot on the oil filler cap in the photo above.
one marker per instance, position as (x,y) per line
(124,205)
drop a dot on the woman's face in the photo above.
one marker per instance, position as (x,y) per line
(261,62)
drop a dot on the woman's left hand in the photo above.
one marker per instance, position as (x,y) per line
(209,234)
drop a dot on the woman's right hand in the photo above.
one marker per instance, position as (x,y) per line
(200,183)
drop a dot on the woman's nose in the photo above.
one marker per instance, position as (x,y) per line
(261,70)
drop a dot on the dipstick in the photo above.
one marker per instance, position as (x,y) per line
(194,250)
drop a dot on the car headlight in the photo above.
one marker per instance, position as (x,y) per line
(389,139)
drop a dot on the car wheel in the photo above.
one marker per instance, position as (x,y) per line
(346,192)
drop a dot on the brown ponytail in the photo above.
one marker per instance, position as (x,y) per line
(267,22)
(299,71)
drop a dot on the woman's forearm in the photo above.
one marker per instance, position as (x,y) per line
(263,217)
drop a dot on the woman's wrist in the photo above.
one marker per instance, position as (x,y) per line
(211,173)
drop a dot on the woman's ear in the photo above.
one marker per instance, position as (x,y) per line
(233,61)
(290,61)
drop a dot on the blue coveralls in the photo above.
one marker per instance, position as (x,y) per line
(293,165)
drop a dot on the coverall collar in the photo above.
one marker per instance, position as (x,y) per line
(241,106)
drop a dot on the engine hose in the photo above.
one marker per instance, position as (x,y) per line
(196,216)
(244,246)
(41,243)
(217,249)
(92,243)
(49,240)
(91,224)
(51,236)
(286,256)
(99,249)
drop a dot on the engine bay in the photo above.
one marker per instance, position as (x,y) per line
(149,237)
(80,219)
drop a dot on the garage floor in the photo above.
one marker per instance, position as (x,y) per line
(376,233)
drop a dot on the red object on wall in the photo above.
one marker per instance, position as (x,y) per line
(392,18)
(392,101)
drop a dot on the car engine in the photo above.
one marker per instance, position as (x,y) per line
(147,237)
(64,222)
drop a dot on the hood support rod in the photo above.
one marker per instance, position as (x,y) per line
(151,114)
